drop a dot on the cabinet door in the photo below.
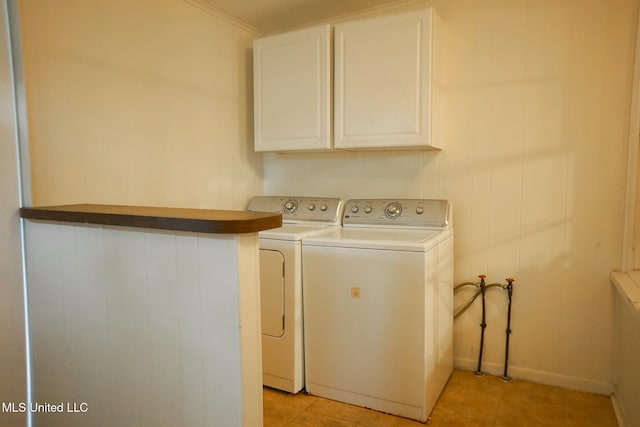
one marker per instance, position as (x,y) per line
(382,81)
(292,90)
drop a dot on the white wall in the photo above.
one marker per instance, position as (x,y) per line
(536,114)
(12,343)
(144,102)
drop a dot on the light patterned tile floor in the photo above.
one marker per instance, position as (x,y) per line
(468,400)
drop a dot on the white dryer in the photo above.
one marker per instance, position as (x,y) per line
(378,306)
(281,282)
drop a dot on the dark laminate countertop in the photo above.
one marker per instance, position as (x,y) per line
(196,220)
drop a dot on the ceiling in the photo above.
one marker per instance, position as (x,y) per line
(268,16)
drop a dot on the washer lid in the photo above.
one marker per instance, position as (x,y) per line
(380,238)
(296,231)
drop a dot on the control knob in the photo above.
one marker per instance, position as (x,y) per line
(419,210)
(312,207)
(323,208)
(354,209)
(290,206)
(393,210)
(367,209)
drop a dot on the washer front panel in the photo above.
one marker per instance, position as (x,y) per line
(378,324)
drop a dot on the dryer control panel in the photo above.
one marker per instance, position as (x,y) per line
(294,209)
(414,213)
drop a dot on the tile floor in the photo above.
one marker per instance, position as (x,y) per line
(468,400)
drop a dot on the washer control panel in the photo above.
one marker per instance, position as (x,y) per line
(420,213)
(320,209)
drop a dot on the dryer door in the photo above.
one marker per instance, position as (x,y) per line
(272,292)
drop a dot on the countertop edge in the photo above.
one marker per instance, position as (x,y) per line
(176,219)
(628,285)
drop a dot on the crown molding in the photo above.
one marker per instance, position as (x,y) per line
(204,6)
(383,9)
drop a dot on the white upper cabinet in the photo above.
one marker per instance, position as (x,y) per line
(383,92)
(383,82)
(292,91)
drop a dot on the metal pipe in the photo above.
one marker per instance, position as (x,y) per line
(509,288)
(482,290)
(465,284)
(467,304)
(474,296)
(470,301)
(483,325)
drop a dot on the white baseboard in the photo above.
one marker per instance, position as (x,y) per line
(542,377)
(618,409)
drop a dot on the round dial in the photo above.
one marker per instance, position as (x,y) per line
(312,207)
(290,206)
(355,209)
(367,209)
(393,210)
(419,210)
(323,208)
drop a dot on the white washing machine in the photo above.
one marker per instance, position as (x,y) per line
(281,282)
(378,297)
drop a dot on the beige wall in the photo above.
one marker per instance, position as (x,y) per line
(138,102)
(535,130)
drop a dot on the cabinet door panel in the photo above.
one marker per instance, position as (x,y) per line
(382,75)
(292,90)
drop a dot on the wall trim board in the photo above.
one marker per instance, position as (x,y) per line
(630,256)
(618,410)
(225,17)
(20,100)
(536,376)
(14,358)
